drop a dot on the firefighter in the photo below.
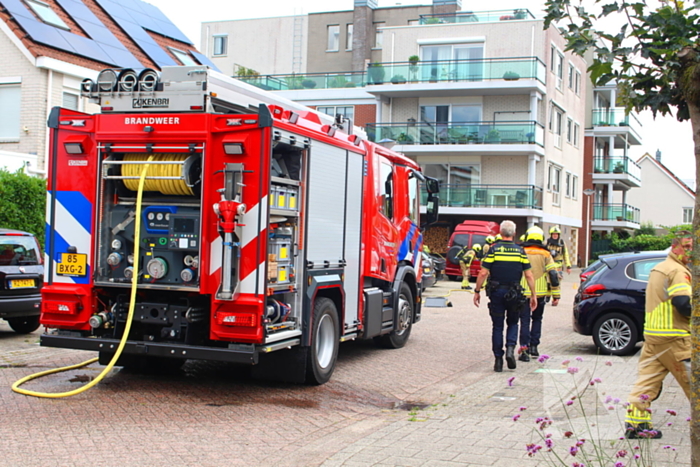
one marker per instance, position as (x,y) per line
(504,268)
(465,256)
(490,240)
(546,276)
(666,336)
(557,247)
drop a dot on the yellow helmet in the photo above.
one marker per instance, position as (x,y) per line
(490,239)
(535,234)
(476,247)
(498,237)
(554,229)
(522,238)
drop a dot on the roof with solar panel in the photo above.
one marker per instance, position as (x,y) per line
(99,33)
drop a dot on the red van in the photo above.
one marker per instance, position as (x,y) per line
(467,233)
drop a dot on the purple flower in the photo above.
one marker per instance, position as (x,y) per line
(616,401)
(643,397)
(566,362)
(579,359)
(532,449)
(626,404)
(510,380)
(637,456)
(671,412)
(608,363)
(569,402)
(619,464)
(516,417)
(687,419)
(621,453)
(669,424)
(523,408)
(543,358)
(608,399)
(549,443)
(580,442)
(611,407)
(572,370)
(597,380)
(668,447)
(573,450)
(568,434)
(578,464)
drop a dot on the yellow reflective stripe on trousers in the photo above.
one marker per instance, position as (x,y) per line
(636,416)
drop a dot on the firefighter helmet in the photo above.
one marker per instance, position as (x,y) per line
(490,239)
(535,234)
(554,230)
(498,237)
(476,247)
(522,238)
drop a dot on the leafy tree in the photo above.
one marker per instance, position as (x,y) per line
(655,60)
(23,203)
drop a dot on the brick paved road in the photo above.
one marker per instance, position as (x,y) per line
(214,414)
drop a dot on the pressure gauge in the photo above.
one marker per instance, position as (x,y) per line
(187,275)
(114,258)
(157,268)
(116,244)
(159,216)
(151,216)
(167,216)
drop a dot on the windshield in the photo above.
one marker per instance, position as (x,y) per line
(461,239)
(16,250)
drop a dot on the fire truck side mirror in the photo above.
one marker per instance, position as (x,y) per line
(431,210)
(432,185)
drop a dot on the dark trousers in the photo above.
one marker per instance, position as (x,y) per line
(503,311)
(531,324)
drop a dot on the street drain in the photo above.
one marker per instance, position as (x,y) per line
(408,406)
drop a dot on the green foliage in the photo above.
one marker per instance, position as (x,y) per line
(647,228)
(23,201)
(244,72)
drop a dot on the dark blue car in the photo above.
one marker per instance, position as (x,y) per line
(609,305)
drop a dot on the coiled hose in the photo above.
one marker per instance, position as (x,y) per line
(132,303)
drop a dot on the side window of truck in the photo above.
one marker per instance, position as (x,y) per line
(386,190)
(413,208)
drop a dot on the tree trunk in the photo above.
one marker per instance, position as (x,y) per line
(695,318)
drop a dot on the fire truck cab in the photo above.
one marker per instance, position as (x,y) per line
(269,232)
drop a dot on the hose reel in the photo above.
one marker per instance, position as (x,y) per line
(177,178)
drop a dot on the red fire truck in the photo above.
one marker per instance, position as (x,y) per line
(269,232)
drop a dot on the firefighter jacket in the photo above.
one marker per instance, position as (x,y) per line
(559,252)
(541,262)
(664,322)
(466,255)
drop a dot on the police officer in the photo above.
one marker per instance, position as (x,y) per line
(504,267)
(666,336)
(465,256)
(546,276)
(557,247)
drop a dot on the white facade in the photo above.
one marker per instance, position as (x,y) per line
(669,203)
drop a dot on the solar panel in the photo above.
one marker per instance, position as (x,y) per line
(100,34)
(85,47)
(158,55)
(121,56)
(44,34)
(17,8)
(202,59)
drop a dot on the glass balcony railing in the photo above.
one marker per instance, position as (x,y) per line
(618,165)
(458,133)
(489,196)
(477,16)
(616,116)
(487,69)
(615,212)
(349,79)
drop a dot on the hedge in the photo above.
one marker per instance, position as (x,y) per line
(23,203)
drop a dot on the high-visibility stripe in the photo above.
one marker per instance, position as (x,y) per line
(678,288)
(550,266)
(511,259)
(666,332)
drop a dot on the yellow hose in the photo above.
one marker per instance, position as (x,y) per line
(164,186)
(134,281)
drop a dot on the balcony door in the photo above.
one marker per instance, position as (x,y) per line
(449,124)
(452,62)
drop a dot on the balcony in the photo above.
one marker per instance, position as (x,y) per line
(527,197)
(300,81)
(606,216)
(477,17)
(614,121)
(619,169)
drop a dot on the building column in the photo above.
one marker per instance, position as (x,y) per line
(378,110)
(532,161)
(611,146)
(444,7)
(534,97)
(362,33)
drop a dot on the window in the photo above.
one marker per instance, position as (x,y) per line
(413,207)
(10,100)
(567,185)
(183,56)
(220,44)
(70,101)
(574,187)
(378,35)
(560,70)
(553,59)
(578,82)
(553,184)
(458,62)
(640,270)
(687,215)
(571,76)
(348,37)
(332,110)
(569,131)
(386,182)
(46,14)
(555,125)
(333,38)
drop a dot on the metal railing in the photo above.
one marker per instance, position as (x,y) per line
(528,132)
(618,165)
(615,212)
(287,82)
(477,16)
(485,69)
(489,196)
(616,116)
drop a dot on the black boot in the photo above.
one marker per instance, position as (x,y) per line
(524,357)
(641,431)
(498,365)
(533,351)
(510,356)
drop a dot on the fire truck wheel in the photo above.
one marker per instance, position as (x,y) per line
(25,324)
(324,342)
(402,329)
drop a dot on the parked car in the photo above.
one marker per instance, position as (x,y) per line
(590,270)
(467,233)
(610,305)
(21,278)
(428,268)
(439,264)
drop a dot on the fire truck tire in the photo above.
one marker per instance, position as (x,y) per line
(324,342)
(25,324)
(402,329)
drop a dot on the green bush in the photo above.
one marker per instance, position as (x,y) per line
(23,201)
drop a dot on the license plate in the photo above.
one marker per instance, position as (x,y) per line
(72,264)
(21,283)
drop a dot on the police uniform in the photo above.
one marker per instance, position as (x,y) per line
(666,340)
(546,285)
(506,263)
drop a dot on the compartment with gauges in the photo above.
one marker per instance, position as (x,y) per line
(170,234)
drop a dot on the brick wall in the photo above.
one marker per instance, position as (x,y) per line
(504,170)
(365,114)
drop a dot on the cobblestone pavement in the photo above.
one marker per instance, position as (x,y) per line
(436,402)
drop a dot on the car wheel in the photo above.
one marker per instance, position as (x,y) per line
(615,334)
(402,329)
(25,324)
(325,341)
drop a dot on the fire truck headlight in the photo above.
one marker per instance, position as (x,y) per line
(233,148)
(73,148)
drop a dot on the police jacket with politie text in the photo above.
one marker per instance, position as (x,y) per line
(506,262)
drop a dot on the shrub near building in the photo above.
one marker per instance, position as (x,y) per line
(23,203)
